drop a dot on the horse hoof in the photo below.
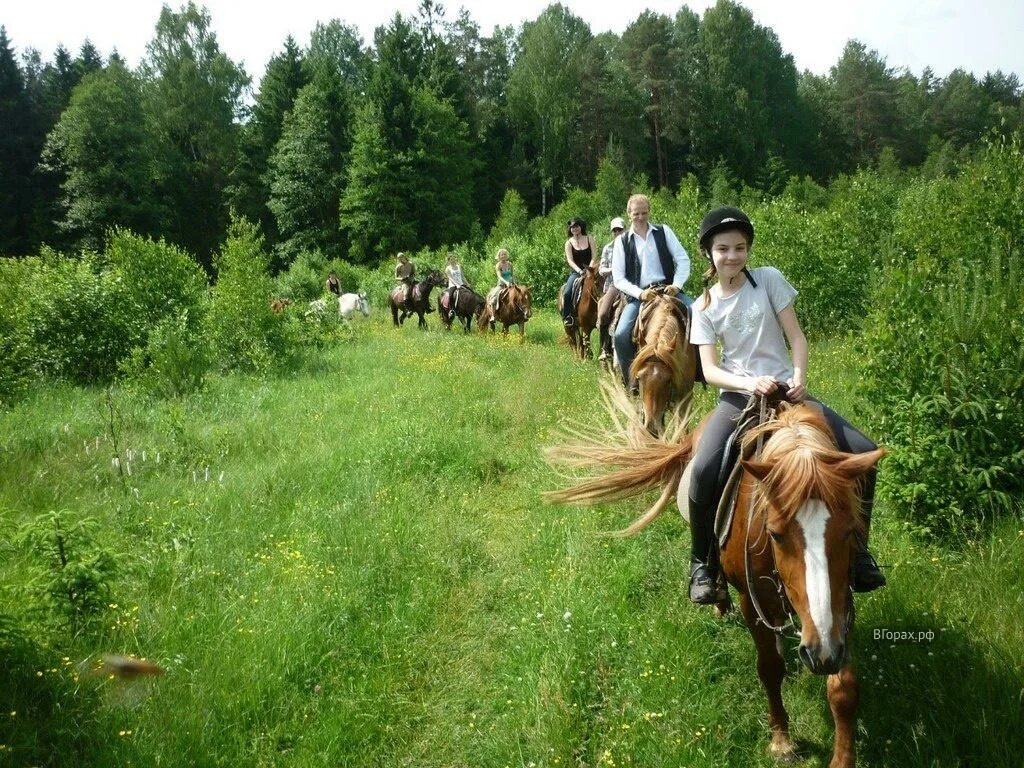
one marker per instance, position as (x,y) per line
(784,752)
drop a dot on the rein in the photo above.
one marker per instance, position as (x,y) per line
(748,418)
(755,414)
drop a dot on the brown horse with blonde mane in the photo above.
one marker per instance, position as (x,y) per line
(585,317)
(665,365)
(788,548)
(514,308)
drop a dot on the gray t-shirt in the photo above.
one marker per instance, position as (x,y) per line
(746,325)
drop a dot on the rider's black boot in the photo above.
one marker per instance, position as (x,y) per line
(703,583)
(704,588)
(867,576)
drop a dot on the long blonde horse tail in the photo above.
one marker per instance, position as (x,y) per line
(645,462)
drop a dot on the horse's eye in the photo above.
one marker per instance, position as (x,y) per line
(776,536)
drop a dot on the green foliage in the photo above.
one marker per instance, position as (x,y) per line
(243,331)
(71,572)
(80,331)
(18,363)
(154,282)
(194,94)
(943,360)
(611,188)
(174,361)
(106,148)
(512,219)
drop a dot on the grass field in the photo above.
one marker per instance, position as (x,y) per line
(352,565)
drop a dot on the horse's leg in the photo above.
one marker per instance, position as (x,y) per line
(522,331)
(843,697)
(771,668)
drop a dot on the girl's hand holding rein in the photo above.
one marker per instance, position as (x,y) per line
(762,385)
(796,393)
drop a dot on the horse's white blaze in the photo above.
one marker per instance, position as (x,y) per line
(813,516)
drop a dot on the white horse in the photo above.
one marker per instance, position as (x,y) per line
(349,303)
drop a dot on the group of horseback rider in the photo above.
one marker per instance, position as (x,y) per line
(740,326)
(405,273)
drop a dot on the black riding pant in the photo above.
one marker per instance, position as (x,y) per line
(707,462)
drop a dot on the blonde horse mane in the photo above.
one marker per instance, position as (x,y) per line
(663,332)
(804,459)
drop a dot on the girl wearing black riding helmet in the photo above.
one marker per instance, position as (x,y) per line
(749,315)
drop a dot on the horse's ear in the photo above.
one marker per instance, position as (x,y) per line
(759,469)
(859,463)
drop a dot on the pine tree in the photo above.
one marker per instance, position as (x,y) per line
(305,179)
(248,192)
(18,152)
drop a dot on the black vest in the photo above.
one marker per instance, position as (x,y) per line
(668,265)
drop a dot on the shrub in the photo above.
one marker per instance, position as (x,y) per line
(301,281)
(243,331)
(153,281)
(18,361)
(79,328)
(174,362)
(512,219)
(943,372)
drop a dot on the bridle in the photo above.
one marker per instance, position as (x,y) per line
(748,418)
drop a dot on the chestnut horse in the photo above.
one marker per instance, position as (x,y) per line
(788,550)
(585,317)
(665,365)
(515,308)
(419,298)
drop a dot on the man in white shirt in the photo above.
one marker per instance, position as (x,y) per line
(645,257)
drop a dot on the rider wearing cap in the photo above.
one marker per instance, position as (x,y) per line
(646,257)
(606,306)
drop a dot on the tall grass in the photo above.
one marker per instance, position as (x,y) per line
(352,565)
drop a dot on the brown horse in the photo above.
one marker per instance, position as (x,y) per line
(585,317)
(789,547)
(418,302)
(515,308)
(470,304)
(665,365)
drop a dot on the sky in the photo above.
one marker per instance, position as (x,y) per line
(942,34)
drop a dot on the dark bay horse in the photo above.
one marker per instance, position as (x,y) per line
(665,365)
(585,317)
(515,308)
(469,304)
(419,298)
(788,550)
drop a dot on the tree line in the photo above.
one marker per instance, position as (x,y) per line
(357,150)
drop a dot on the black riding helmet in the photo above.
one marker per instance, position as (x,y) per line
(722,219)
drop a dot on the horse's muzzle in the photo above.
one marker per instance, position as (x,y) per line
(810,655)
